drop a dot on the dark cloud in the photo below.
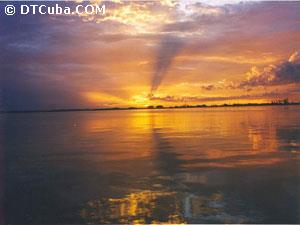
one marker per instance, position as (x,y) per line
(41,66)
(169,47)
(286,72)
(209,87)
(23,90)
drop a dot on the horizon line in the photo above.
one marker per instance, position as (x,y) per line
(151,107)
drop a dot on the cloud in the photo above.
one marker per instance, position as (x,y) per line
(64,56)
(45,63)
(169,47)
(208,87)
(286,72)
(201,99)
(23,90)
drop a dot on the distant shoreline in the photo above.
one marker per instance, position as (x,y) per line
(150,107)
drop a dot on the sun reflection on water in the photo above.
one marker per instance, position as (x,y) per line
(159,207)
(138,207)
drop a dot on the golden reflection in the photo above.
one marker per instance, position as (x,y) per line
(139,208)
(217,138)
(262,138)
(134,123)
(246,162)
(153,207)
(263,142)
(159,207)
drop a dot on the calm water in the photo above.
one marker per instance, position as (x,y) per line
(217,165)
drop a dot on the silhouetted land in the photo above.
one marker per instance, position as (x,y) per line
(156,107)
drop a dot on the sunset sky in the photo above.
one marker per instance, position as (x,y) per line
(152,52)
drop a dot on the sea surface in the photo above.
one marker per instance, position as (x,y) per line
(205,165)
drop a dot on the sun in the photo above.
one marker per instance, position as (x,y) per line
(141,100)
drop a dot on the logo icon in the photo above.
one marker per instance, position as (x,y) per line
(10,10)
